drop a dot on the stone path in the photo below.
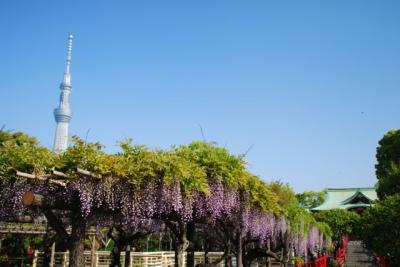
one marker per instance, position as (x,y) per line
(358,256)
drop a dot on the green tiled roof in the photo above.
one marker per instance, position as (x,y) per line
(340,198)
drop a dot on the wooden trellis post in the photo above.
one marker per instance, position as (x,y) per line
(52,256)
(93,257)
(35,258)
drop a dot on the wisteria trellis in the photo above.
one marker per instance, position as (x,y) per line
(150,204)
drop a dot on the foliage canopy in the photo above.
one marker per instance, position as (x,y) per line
(310,199)
(388,166)
(340,221)
(380,228)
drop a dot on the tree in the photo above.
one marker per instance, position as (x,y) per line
(340,221)
(388,167)
(380,228)
(310,199)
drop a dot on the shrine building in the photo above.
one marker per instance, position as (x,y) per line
(353,199)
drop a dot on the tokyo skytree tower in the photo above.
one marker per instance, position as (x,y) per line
(63,113)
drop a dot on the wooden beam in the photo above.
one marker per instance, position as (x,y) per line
(87,173)
(30,176)
(24,219)
(19,219)
(58,182)
(40,178)
(59,174)
(25,175)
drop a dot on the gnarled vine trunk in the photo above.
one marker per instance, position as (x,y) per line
(76,244)
(228,256)
(127,256)
(116,235)
(179,231)
(239,248)
(268,259)
(181,247)
(191,248)
(116,256)
(47,245)
(285,251)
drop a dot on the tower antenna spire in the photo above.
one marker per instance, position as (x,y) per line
(63,113)
(69,52)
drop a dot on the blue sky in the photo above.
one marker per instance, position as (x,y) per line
(310,86)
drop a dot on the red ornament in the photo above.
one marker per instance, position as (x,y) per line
(29,251)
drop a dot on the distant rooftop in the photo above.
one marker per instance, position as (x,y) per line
(348,198)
